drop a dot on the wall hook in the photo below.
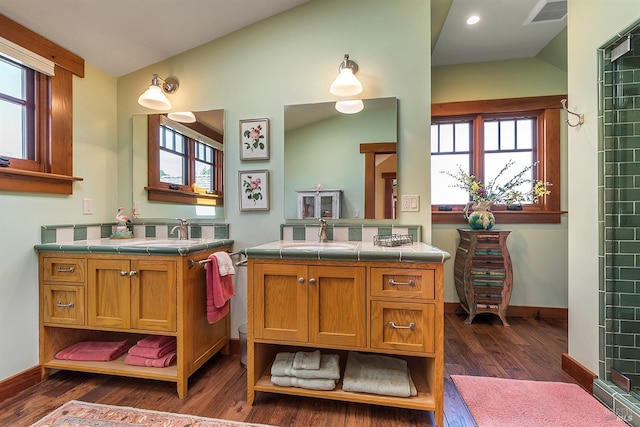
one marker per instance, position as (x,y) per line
(580,116)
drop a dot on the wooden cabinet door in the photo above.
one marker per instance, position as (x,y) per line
(108,293)
(280,302)
(337,306)
(153,295)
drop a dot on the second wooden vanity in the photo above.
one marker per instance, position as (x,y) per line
(366,299)
(109,291)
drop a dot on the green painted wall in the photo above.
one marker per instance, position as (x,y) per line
(292,58)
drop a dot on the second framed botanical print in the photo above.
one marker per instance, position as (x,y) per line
(254,139)
(254,190)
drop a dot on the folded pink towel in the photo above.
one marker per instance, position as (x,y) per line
(219,291)
(155,341)
(164,361)
(153,353)
(94,350)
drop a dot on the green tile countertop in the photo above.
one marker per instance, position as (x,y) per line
(338,250)
(136,246)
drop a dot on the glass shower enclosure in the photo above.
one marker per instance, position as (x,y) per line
(618,385)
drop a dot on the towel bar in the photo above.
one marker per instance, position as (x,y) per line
(206,260)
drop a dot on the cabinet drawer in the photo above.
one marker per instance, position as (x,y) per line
(403,326)
(402,283)
(63,304)
(70,270)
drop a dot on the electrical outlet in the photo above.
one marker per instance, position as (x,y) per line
(87,206)
(136,208)
(410,203)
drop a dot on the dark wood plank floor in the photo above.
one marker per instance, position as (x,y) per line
(528,349)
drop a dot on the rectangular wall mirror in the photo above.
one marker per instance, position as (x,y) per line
(352,154)
(205,133)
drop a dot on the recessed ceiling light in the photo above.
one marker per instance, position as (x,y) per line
(473,19)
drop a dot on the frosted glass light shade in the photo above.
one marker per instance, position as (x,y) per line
(346,84)
(154,99)
(182,116)
(350,107)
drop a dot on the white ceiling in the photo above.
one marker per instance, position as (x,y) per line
(500,34)
(121,36)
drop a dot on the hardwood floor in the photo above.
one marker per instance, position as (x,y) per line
(528,349)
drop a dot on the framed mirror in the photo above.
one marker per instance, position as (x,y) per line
(202,148)
(355,154)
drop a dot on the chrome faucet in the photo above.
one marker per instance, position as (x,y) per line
(183,229)
(323,231)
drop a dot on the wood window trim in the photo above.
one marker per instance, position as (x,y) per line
(548,170)
(160,192)
(370,149)
(56,169)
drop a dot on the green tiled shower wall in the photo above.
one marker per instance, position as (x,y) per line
(156,229)
(619,225)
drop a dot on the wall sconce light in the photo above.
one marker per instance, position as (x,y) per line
(346,84)
(154,98)
(350,106)
(182,116)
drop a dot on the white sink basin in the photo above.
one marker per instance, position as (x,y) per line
(310,246)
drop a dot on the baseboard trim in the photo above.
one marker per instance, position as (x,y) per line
(20,382)
(583,376)
(520,311)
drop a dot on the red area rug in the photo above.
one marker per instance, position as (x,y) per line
(82,414)
(498,402)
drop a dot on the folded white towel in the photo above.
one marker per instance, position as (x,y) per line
(225,265)
(308,383)
(307,360)
(329,367)
(376,374)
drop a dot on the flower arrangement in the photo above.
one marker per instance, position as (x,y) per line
(501,194)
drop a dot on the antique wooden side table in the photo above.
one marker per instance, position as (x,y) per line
(482,272)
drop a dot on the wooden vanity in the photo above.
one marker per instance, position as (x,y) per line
(110,292)
(368,299)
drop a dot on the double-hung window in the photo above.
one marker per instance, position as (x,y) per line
(481,137)
(36,111)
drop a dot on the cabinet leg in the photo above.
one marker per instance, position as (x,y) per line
(45,373)
(182,388)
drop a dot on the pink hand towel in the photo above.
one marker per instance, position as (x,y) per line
(94,350)
(155,341)
(219,291)
(161,362)
(152,353)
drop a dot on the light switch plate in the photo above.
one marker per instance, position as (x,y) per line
(410,203)
(87,206)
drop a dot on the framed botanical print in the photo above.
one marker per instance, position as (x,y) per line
(254,139)
(254,190)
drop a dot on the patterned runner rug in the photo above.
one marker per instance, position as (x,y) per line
(82,414)
(499,402)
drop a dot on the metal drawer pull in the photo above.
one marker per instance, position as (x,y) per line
(312,281)
(410,282)
(300,279)
(132,273)
(123,273)
(70,305)
(411,326)
(66,270)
